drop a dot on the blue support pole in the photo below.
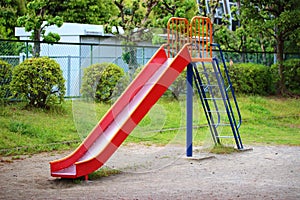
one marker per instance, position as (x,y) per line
(189,111)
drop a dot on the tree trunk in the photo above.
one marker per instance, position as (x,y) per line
(279,56)
(262,46)
(37,44)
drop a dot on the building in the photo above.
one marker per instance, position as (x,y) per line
(82,45)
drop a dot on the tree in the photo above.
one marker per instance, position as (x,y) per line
(213,5)
(239,40)
(276,19)
(136,19)
(36,19)
(10,10)
(166,9)
(84,11)
(131,24)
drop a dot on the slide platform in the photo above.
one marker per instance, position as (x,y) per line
(144,91)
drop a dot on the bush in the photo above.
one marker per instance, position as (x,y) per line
(99,81)
(291,73)
(39,81)
(250,78)
(5,79)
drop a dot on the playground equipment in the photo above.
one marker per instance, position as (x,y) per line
(188,44)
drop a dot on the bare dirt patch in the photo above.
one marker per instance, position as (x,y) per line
(149,172)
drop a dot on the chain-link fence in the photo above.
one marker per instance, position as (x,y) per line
(74,57)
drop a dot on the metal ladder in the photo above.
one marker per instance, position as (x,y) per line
(216,95)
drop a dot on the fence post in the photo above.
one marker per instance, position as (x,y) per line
(27,49)
(69,75)
(143,55)
(91,54)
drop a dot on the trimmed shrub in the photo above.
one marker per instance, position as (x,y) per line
(99,81)
(39,81)
(250,78)
(291,73)
(5,79)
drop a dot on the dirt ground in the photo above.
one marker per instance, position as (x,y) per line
(149,172)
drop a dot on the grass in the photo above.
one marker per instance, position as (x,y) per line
(34,130)
(266,120)
(221,149)
(96,175)
(103,172)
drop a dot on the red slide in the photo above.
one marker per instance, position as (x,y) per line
(123,116)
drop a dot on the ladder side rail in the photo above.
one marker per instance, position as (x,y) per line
(223,88)
(230,84)
(205,105)
(227,105)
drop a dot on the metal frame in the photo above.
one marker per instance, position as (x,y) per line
(198,33)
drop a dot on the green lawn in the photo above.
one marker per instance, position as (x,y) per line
(266,120)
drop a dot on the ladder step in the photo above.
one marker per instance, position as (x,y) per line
(224,136)
(214,98)
(215,111)
(228,88)
(221,125)
(209,85)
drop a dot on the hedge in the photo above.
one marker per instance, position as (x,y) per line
(291,73)
(251,78)
(5,79)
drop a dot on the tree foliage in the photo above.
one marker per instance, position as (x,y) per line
(165,9)
(10,10)
(213,5)
(131,24)
(85,11)
(5,79)
(292,75)
(36,19)
(274,19)
(39,81)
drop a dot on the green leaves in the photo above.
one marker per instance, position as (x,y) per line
(9,12)
(173,8)
(276,20)
(99,81)
(51,37)
(5,79)
(39,81)
(292,75)
(250,78)
(37,18)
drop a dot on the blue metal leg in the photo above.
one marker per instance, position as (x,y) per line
(189,111)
